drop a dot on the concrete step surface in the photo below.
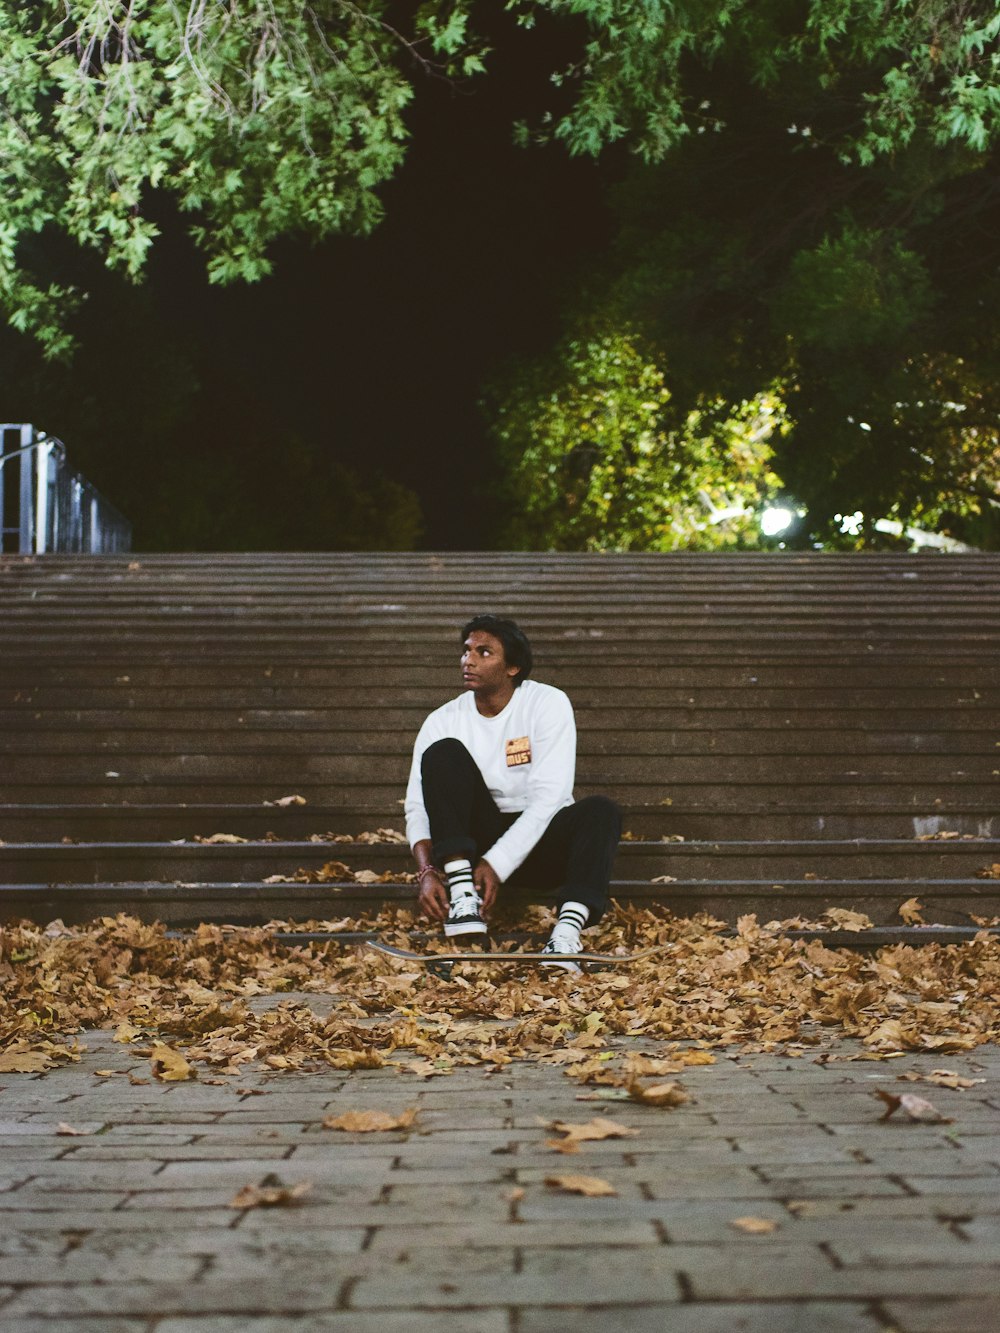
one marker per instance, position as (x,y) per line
(695,860)
(954,901)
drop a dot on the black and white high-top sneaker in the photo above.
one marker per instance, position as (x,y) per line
(465,914)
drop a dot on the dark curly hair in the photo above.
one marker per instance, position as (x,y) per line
(516,648)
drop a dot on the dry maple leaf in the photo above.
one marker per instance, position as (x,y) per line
(989,872)
(943,1078)
(270,1193)
(910,912)
(755,1226)
(219,838)
(21,1061)
(591,1130)
(368,1122)
(844,919)
(168,1065)
(592,1186)
(424,1069)
(659,1094)
(916,1108)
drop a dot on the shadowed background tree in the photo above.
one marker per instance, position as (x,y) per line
(810,223)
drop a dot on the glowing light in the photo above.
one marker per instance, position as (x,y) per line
(773,521)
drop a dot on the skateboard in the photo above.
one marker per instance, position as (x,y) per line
(513,956)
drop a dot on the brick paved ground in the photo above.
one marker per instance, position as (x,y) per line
(451,1227)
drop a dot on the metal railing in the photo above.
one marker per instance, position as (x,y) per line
(49,507)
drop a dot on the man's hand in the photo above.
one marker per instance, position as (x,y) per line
(433,897)
(487,882)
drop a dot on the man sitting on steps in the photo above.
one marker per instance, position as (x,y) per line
(490,796)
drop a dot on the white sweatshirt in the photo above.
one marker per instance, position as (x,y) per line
(526,754)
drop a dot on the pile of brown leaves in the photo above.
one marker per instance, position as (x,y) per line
(759,991)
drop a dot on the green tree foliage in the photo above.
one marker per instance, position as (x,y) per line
(899,69)
(814,206)
(600,459)
(257,116)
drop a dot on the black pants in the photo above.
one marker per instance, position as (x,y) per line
(574,855)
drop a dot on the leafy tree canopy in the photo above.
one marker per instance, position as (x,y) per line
(599,458)
(814,211)
(258,117)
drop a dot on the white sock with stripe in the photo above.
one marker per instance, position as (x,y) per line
(459,876)
(573,917)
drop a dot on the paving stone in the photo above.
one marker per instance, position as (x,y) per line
(128,1265)
(955,1205)
(720,1275)
(353,1321)
(330,1170)
(76,1177)
(524,1235)
(930,1316)
(43,1127)
(717,1317)
(195,1197)
(853,1186)
(649,1279)
(930,1185)
(162,1152)
(96,1323)
(14,1244)
(32,1200)
(273,1293)
(79,1219)
(891,1252)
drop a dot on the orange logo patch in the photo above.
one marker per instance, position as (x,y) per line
(518,751)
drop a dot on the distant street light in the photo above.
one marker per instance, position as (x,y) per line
(773,521)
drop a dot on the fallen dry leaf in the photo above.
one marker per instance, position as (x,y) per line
(591,1130)
(755,1226)
(990,871)
(910,912)
(916,1108)
(24,1062)
(368,1122)
(270,1193)
(63,1128)
(658,1094)
(168,1065)
(845,919)
(104,1073)
(218,839)
(424,1069)
(288,800)
(592,1186)
(943,1078)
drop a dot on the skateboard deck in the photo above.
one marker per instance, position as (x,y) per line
(514,956)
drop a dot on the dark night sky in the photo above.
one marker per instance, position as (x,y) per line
(378,347)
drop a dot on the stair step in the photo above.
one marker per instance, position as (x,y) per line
(953,901)
(747,820)
(97,862)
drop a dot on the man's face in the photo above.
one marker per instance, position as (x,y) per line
(484,667)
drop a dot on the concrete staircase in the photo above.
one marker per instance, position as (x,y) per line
(785,732)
